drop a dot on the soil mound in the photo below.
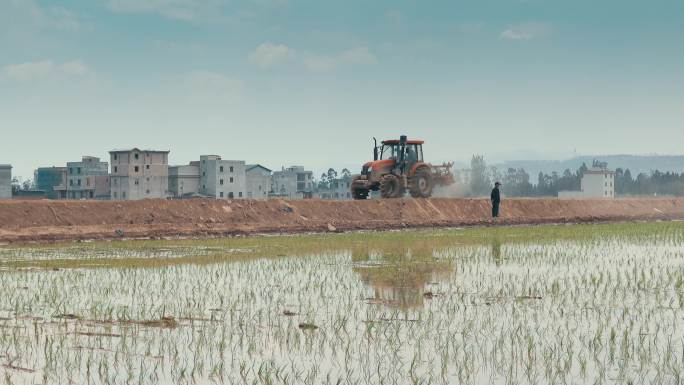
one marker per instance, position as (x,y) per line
(45,221)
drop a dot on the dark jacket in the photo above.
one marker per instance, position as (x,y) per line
(496,196)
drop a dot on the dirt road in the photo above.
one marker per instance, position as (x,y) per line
(47,221)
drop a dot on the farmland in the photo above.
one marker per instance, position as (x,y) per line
(576,304)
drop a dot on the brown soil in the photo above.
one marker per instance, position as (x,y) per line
(49,221)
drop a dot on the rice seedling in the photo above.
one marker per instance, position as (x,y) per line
(581,304)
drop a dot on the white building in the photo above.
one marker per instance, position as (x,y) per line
(223,179)
(258,181)
(139,174)
(184,180)
(340,188)
(88,179)
(292,182)
(5,181)
(597,182)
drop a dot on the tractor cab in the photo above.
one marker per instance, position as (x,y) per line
(410,151)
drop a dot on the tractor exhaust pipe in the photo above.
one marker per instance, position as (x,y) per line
(375,149)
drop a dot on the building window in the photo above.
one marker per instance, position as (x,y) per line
(240,194)
(137,182)
(221,169)
(231,168)
(231,179)
(230,195)
(221,182)
(115,157)
(204,173)
(71,182)
(136,156)
(137,168)
(147,166)
(221,194)
(79,182)
(79,170)
(147,191)
(116,169)
(115,191)
(87,181)
(123,194)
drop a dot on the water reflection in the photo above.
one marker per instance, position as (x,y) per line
(401,277)
(496,252)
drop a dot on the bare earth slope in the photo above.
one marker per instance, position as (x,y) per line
(45,221)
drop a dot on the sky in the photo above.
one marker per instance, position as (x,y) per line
(310,82)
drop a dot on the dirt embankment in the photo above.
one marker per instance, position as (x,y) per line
(45,221)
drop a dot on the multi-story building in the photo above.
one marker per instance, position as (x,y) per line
(87,179)
(139,174)
(258,180)
(52,180)
(292,182)
(223,179)
(5,181)
(184,180)
(597,182)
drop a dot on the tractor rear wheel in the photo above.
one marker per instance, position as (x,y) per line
(420,184)
(390,187)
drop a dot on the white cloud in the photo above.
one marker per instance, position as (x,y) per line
(212,86)
(269,54)
(526,31)
(358,55)
(187,10)
(44,70)
(29,15)
(355,56)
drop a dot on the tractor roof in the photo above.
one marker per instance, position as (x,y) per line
(396,141)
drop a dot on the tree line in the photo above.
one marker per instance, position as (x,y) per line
(518,183)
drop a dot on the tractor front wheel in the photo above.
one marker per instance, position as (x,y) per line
(359,193)
(390,187)
(420,184)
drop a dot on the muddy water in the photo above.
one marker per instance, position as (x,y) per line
(437,309)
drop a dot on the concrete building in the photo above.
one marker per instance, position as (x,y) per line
(87,179)
(184,181)
(52,180)
(258,180)
(597,182)
(340,188)
(292,182)
(139,174)
(222,179)
(5,181)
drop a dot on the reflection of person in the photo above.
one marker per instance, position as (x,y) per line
(496,251)
(496,200)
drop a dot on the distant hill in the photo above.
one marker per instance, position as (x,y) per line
(635,163)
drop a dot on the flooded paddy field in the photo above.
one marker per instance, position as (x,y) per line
(576,304)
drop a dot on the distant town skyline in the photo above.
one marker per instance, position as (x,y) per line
(291,82)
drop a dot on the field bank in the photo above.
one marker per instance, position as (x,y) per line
(24,221)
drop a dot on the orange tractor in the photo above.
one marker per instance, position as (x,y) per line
(398,166)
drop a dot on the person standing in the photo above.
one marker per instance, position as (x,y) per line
(496,200)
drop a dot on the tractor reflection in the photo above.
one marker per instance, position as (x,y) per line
(401,276)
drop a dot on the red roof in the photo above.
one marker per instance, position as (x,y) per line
(396,141)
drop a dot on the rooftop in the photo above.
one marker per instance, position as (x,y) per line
(137,150)
(252,166)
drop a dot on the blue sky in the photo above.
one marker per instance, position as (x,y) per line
(284,82)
